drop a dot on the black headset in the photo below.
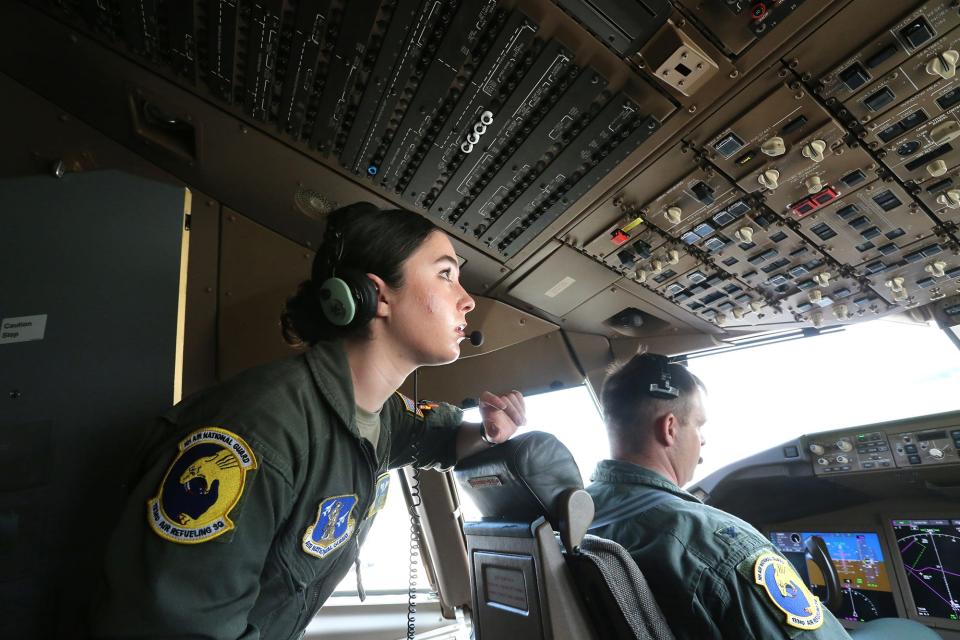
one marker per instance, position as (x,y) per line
(662,388)
(348,297)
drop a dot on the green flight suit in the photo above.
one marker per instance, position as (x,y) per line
(700,562)
(252,500)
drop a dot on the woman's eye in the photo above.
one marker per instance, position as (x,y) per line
(447,274)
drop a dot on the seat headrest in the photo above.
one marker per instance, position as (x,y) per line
(521,479)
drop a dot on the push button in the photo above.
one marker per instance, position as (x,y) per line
(917,32)
(854,76)
(910,448)
(880,99)
(914,459)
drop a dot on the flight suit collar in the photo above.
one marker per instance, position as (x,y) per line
(331,371)
(623,472)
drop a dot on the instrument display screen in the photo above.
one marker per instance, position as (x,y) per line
(930,553)
(858,559)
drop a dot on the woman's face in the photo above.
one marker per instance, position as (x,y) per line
(427,314)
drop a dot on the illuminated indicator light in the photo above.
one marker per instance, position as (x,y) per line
(633,224)
(372,170)
(618,237)
(825,196)
(745,158)
(803,207)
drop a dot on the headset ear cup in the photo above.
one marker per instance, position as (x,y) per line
(337,302)
(364,293)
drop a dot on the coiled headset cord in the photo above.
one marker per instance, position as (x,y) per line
(415,528)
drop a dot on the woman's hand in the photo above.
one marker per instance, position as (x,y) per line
(502,415)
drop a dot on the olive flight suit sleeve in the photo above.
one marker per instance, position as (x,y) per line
(186,558)
(766,599)
(424,434)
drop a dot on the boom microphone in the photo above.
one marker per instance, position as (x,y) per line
(476,338)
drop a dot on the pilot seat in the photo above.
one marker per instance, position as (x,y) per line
(536,574)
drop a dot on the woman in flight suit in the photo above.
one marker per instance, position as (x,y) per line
(253,500)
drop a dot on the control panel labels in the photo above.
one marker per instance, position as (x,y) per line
(559,288)
(23,329)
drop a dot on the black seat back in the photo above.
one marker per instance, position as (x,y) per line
(533,573)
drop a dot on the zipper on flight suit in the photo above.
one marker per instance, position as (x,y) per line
(364,446)
(371,467)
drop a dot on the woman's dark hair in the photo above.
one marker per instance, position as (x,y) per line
(374,241)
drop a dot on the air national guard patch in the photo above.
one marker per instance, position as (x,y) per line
(201,487)
(787,591)
(380,496)
(410,405)
(334,526)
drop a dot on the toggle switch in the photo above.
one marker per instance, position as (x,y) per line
(814,150)
(841,312)
(769,179)
(774,147)
(673,256)
(823,279)
(945,132)
(944,64)
(813,184)
(936,269)
(673,214)
(937,168)
(744,234)
(950,199)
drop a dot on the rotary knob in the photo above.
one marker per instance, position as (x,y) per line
(774,147)
(950,199)
(814,184)
(844,445)
(842,459)
(816,449)
(944,64)
(935,453)
(814,150)
(673,214)
(937,168)
(823,461)
(769,179)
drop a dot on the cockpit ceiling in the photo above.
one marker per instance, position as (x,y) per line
(713,167)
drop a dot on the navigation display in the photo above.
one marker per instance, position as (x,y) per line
(858,559)
(930,551)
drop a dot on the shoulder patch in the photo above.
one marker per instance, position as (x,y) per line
(409,405)
(201,487)
(786,591)
(380,494)
(333,527)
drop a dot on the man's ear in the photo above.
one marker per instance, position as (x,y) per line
(383,302)
(665,428)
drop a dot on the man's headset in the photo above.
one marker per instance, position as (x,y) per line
(662,388)
(348,297)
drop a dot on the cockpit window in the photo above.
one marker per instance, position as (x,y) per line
(876,371)
(570,414)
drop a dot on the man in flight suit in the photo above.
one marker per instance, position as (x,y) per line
(713,575)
